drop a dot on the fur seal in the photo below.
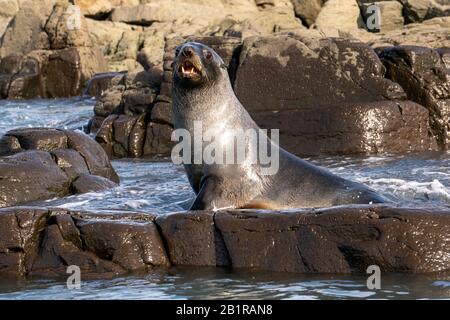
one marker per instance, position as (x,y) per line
(201,91)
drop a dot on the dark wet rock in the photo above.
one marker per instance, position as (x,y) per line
(40,163)
(19,238)
(90,183)
(95,157)
(9,145)
(158,139)
(44,242)
(48,52)
(132,245)
(368,127)
(31,175)
(138,101)
(333,99)
(333,240)
(40,138)
(192,239)
(344,239)
(123,135)
(71,162)
(339,240)
(315,72)
(110,101)
(424,75)
(101,82)
(125,122)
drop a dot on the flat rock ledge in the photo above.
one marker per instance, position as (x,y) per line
(346,239)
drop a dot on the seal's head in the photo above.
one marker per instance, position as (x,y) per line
(196,65)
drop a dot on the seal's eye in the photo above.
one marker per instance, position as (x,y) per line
(207,54)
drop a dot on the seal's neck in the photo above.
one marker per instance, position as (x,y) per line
(210,104)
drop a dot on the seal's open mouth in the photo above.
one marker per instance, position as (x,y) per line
(189,70)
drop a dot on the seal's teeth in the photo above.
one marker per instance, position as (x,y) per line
(182,69)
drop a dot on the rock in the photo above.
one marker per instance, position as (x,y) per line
(110,101)
(71,162)
(9,145)
(44,242)
(9,10)
(101,82)
(431,33)
(127,128)
(336,70)
(40,164)
(90,183)
(390,15)
(339,17)
(29,176)
(193,240)
(370,127)
(132,245)
(308,10)
(359,111)
(157,140)
(50,51)
(425,78)
(101,9)
(40,138)
(338,240)
(141,30)
(119,42)
(95,157)
(344,239)
(19,238)
(420,10)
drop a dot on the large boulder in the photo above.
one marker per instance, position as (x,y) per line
(329,97)
(339,18)
(389,14)
(100,9)
(307,10)
(47,52)
(424,75)
(420,10)
(44,242)
(334,240)
(367,127)
(8,11)
(40,164)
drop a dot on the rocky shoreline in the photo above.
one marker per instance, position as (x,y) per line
(347,239)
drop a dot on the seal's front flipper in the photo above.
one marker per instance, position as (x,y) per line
(212,195)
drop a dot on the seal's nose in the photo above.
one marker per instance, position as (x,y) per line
(188,51)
